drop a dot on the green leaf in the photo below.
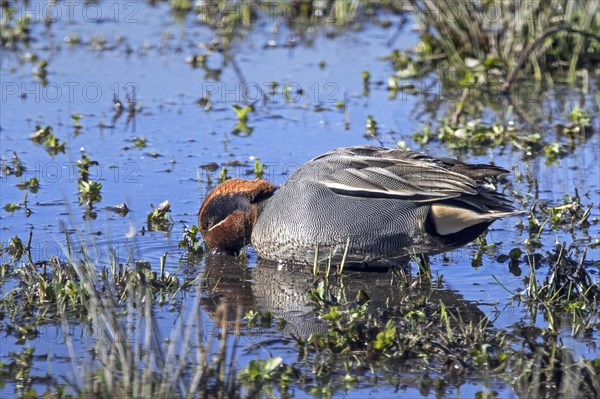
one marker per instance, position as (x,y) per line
(515,254)
(272,363)
(242,112)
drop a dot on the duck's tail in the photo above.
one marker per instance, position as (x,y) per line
(448,219)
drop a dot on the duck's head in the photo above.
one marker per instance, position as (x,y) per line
(228,213)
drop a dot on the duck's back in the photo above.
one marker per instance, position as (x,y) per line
(374,201)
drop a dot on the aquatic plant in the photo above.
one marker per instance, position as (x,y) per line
(191,241)
(160,218)
(511,39)
(139,142)
(76,118)
(371,127)
(259,169)
(223,175)
(33,185)
(16,29)
(17,167)
(242,119)
(361,342)
(45,136)
(89,190)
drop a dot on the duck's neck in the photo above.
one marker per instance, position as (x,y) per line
(261,205)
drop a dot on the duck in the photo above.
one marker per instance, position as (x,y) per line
(361,205)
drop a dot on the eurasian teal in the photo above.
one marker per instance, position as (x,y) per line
(374,204)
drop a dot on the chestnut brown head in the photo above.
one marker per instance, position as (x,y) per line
(228,213)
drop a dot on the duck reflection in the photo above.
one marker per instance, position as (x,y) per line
(282,291)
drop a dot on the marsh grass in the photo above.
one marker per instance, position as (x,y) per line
(534,38)
(568,295)
(498,55)
(132,357)
(547,369)
(131,354)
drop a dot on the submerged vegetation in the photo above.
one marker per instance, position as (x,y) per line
(268,331)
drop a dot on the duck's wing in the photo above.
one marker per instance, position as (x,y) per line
(367,171)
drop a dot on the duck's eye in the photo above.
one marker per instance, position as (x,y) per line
(207,222)
(221,207)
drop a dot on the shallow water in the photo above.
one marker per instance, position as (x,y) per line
(145,55)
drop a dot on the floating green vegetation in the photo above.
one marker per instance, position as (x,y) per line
(40,71)
(242,120)
(18,369)
(12,207)
(76,118)
(73,40)
(579,117)
(568,289)
(33,185)
(259,318)
(84,165)
(371,336)
(53,288)
(14,167)
(475,134)
(242,112)
(363,342)
(15,29)
(191,241)
(16,249)
(570,216)
(478,136)
(160,218)
(46,137)
(180,5)
(371,127)
(139,142)
(259,168)
(260,375)
(89,190)
(478,51)
(223,175)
